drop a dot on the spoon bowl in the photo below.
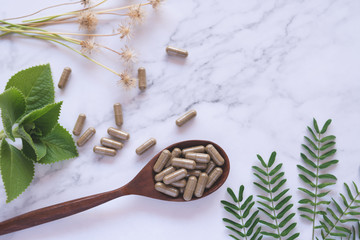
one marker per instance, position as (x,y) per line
(143,184)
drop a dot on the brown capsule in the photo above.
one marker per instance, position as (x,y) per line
(175,176)
(159,177)
(190,188)
(142,78)
(195,173)
(176,51)
(201,166)
(145,146)
(197,149)
(118,114)
(200,186)
(118,133)
(215,155)
(86,136)
(210,167)
(170,191)
(183,163)
(176,152)
(64,77)
(185,118)
(104,151)
(180,184)
(79,124)
(107,142)
(198,157)
(162,160)
(213,176)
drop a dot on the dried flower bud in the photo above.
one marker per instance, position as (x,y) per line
(127,54)
(86,3)
(88,46)
(136,14)
(126,80)
(155,3)
(125,30)
(88,20)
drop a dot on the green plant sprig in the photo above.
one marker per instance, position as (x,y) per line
(29,112)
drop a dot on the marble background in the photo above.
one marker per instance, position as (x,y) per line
(257,73)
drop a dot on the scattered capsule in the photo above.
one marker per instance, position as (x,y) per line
(210,167)
(200,186)
(181,183)
(198,157)
(79,124)
(107,142)
(195,173)
(145,146)
(86,136)
(176,152)
(142,78)
(118,114)
(197,149)
(215,155)
(64,77)
(201,166)
(175,176)
(159,177)
(183,163)
(185,118)
(162,160)
(104,151)
(170,191)
(176,51)
(118,133)
(213,176)
(190,188)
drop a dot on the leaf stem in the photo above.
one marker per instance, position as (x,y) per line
(242,220)
(316,186)
(2,135)
(272,203)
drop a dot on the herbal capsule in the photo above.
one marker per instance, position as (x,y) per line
(201,166)
(181,190)
(213,176)
(175,176)
(159,177)
(107,142)
(118,133)
(176,152)
(64,77)
(200,186)
(170,191)
(215,155)
(197,149)
(210,167)
(86,136)
(190,188)
(176,51)
(79,124)
(183,163)
(162,160)
(145,146)
(195,173)
(118,114)
(180,184)
(185,118)
(198,157)
(104,151)
(142,78)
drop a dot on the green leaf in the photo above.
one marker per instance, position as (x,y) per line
(261,179)
(44,118)
(34,150)
(12,104)
(286,220)
(305,209)
(311,194)
(307,217)
(312,154)
(266,205)
(277,197)
(241,192)
(251,228)
(316,127)
(274,235)
(328,154)
(310,173)
(235,214)
(343,229)
(236,231)
(271,225)
(313,145)
(261,187)
(17,171)
(36,85)
(272,159)
(275,170)
(307,160)
(327,176)
(261,161)
(306,180)
(251,219)
(313,134)
(277,187)
(327,145)
(232,194)
(247,211)
(349,192)
(328,164)
(247,201)
(323,185)
(230,205)
(277,177)
(59,145)
(325,127)
(284,211)
(266,213)
(295,236)
(288,230)
(260,170)
(327,138)
(232,223)
(282,203)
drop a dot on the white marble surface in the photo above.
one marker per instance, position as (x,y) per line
(258,71)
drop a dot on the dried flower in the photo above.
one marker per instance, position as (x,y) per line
(88,20)
(136,14)
(88,46)
(155,3)
(86,3)
(125,31)
(127,54)
(126,80)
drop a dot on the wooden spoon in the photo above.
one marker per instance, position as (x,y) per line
(142,184)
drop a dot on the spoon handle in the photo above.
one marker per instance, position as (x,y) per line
(57,211)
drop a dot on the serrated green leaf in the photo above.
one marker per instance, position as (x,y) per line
(328,154)
(230,205)
(12,104)
(232,194)
(308,161)
(241,192)
(328,164)
(272,159)
(278,186)
(288,230)
(316,127)
(312,154)
(277,177)
(260,170)
(286,220)
(247,201)
(312,144)
(327,138)
(238,225)
(262,161)
(59,145)
(327,145)
(17,171)
(275,170)
(307,171)
(36,85)
(33,149)
(44,118)
(325,127)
